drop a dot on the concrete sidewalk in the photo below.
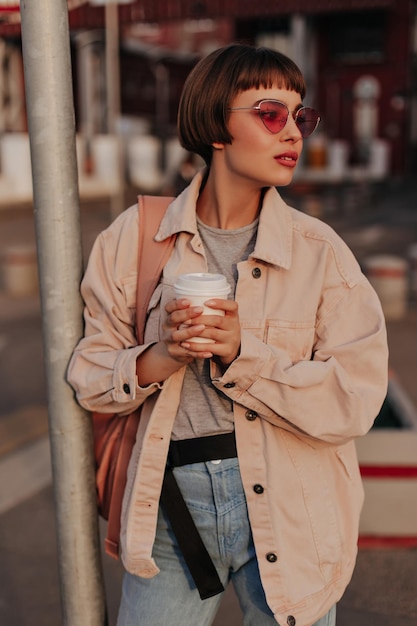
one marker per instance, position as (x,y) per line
(383,588)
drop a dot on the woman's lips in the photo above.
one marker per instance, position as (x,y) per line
(288,159)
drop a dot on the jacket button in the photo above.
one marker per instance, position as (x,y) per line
(291,621)
(256,272)
(251,415)
(258,489)
(229,385)
(271,557)
(126,388)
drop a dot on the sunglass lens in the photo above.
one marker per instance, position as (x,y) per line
(274,115)
(307,120)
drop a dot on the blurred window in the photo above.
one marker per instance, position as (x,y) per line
(357,37)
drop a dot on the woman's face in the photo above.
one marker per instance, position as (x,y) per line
(256,156)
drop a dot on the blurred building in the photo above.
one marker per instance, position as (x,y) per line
(359,58)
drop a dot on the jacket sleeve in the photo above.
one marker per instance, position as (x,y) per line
(336,395)
(102,369)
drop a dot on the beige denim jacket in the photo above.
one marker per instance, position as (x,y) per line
(311,376)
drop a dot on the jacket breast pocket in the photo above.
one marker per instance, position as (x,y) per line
(153,309)
(129,288)
(152,328)
(295,338)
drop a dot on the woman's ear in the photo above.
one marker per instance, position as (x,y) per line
(217,145)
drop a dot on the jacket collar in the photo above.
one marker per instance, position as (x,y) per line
(181,213)
(274,239)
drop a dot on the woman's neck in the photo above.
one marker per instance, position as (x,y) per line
(227,206)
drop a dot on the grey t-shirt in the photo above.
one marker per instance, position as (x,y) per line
(203,409)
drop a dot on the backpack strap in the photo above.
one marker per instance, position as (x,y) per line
(152,256)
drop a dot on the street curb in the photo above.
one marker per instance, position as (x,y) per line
(15,308)
(24,473)
(21,427)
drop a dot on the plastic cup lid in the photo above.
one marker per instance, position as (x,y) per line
(202,282)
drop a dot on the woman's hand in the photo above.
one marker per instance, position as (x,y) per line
(223,329)
(177,348)
(182,324)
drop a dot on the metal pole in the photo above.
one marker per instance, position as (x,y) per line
(48,81)
(112,65)
(113,98)
(161,74)
(85,42)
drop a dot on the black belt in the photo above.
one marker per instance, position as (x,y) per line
(197,558)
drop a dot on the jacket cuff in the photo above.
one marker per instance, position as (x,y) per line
(245,369)
(125,380)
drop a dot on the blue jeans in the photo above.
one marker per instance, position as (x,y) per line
(214,494)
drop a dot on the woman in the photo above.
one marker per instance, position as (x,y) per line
(270,410)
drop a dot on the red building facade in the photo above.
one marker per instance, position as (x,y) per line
(362,79)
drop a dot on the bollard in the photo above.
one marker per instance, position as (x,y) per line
(143,166)
(388,275)
(20,272)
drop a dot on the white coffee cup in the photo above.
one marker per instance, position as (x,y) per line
(199,287)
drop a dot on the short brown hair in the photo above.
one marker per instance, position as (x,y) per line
(217,79)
